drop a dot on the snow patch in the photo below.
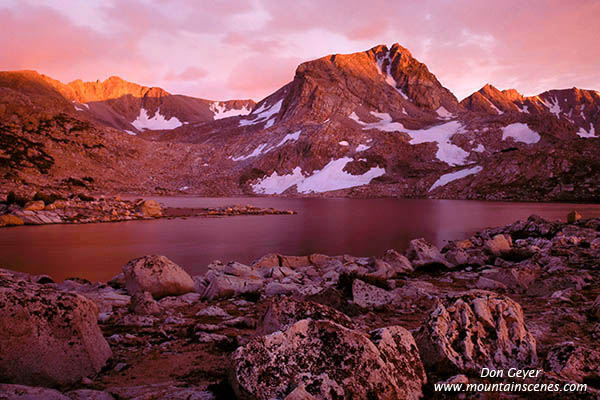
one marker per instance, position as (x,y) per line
(385,123)
(262,114)
(494,107)
(257,151)
(344,143)
(587,134)
(524,109)
(132,133)
(158,122)
(553,107)
(262,149)
(269,123)
(479,149)
(387,74)
(362,147)
(77,108)
(441,134)
(220,111)
(447,178)
(184,188)
(331,177)
(289,137)
(520,133)
(443,113)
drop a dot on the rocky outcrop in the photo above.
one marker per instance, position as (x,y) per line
(473,330)
(329,361)
(48,337)
(157,275)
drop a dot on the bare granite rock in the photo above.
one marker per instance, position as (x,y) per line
(48,337)
(330,361)
(476,329)
(157,275)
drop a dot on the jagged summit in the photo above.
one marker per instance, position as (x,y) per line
(381,79)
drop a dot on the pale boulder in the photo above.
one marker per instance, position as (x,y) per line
(48,337)
(473,330)
(157,275)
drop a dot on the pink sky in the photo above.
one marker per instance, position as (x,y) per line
(223,49)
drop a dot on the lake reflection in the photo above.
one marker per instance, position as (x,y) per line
(329,226)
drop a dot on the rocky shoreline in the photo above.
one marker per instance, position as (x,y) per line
(84,209)
(524,296)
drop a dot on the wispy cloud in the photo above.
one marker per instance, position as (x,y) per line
(228,49)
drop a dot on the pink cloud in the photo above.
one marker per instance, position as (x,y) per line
(249,49)
(188,74)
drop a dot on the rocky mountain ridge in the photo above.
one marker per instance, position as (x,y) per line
(368,124)
(128,106)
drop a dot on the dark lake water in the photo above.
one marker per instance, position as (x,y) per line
(329,226)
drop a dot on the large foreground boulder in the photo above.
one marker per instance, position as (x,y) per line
(157,275)
(48,337)
(473,330)
(328,360)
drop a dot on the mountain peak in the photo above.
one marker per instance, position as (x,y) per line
(513,95)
